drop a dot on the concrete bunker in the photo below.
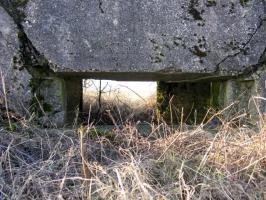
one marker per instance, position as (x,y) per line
(201,54)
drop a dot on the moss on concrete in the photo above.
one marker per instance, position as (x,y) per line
(163,110)
(216,90)
(48,96)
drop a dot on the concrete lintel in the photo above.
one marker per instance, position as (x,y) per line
(146,76)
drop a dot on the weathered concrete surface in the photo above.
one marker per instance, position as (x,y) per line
(238,96)
(217,37)
(172,41)
(247,93)
(190,102)
(49,101)
(74,92)
(31,88)
(60,100)
(16,77)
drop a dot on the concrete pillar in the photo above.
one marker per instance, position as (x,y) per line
(73,90)
(260,91)
(57,101)
(48,102)
(240,96)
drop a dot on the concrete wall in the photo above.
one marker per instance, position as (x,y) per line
(222,38)
(47,47)
(15,79)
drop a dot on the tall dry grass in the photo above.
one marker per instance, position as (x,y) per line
(122,106)
(227,162)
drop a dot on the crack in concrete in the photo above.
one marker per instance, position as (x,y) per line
(254,68)
(100,6)
(242,49)
(31,58)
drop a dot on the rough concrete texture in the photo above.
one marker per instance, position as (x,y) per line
(73,89)
(57,101)
(48,103)
(260,86)
(236,96)
(16,78)
(195,36)
(189,102)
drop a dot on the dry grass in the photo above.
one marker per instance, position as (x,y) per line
(226,163)
(122,107)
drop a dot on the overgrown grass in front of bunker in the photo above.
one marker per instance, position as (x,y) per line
(227,161)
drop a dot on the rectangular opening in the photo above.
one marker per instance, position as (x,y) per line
(110,102)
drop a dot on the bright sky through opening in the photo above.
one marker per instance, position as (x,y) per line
(132,89)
